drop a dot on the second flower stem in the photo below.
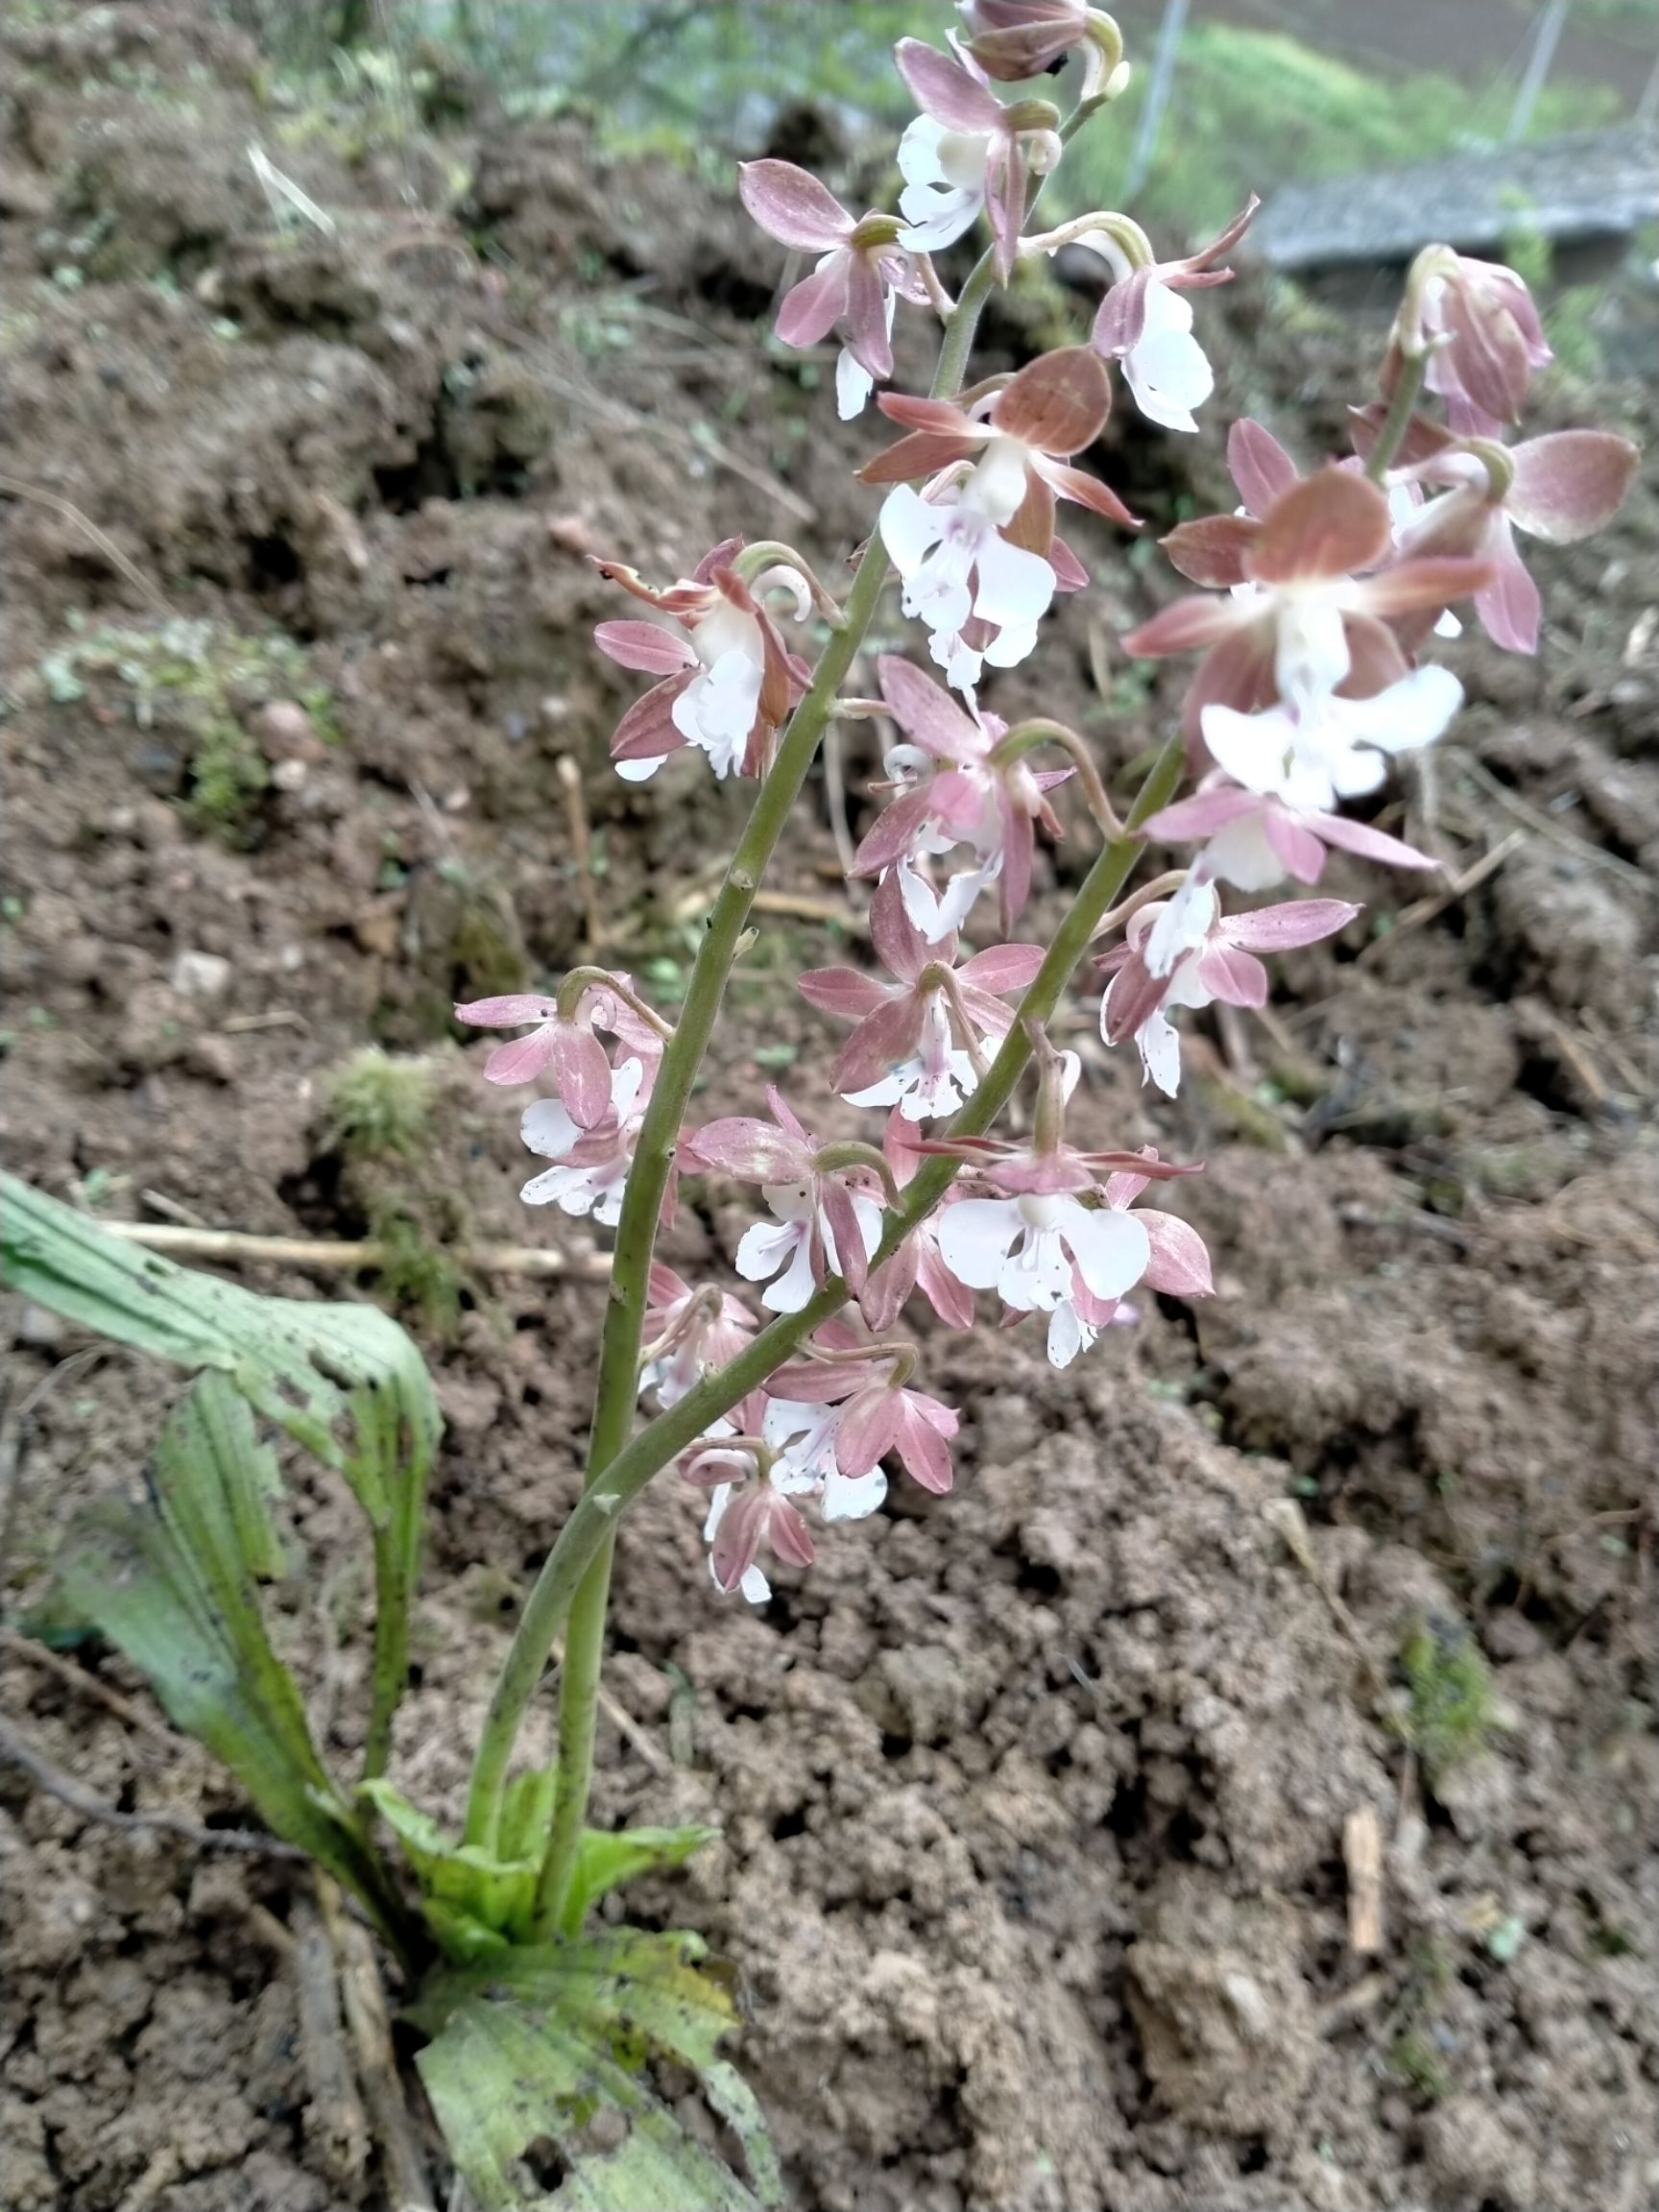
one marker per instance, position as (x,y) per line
(617,1389)
(583,1547)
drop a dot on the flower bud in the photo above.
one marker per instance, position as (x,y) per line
(1477,325)
(1013,39)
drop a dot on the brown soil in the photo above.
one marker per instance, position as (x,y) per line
(1033,1796)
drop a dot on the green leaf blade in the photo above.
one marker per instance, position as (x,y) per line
(346,1381)
(533,2073)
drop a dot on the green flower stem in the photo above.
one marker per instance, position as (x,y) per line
(631,1266)
(588,1534)
(618,1386)
(1407,391)
(617,1391)
(958,340)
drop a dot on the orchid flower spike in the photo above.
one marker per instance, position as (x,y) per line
(862,269)
(729,678)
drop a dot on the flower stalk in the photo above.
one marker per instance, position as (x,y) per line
(637,1232)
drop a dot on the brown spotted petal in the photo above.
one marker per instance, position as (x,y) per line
(1213,551)
(1324,528)
(1057,403)
(1569,483)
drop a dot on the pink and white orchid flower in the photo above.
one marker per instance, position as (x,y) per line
(691,1332)
(1267,809)
(1014,40)
(876,1413)
(918,1037)
(1026,1241)
(917,1264)
(1214,958)
(966,152)
(1146,320)
(980,548)
(1310,590)
(803,1437)
(825,1218)
(955,790)
(1178,1265)
(591,1169)
(730,679)
(581,1067)
(1477,324)
(748,1513)
(862,270)
(1558,488)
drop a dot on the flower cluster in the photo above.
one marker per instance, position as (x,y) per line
(1312,605)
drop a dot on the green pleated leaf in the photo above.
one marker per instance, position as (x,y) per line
(605,1858)
(171,1582)
(345,1381)
(479,1904)
(535,2075)
(527,1814)
(475,1904)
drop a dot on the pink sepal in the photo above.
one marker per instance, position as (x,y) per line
(792,206)
(1180,1265)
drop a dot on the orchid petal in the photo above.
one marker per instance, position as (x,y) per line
(1259,465)
(1111,1250)
(792,206)
(810,309)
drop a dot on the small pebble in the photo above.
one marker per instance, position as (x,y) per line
(202,975)
(285,732)
(38,1331)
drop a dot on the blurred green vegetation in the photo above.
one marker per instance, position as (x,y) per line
(696,80)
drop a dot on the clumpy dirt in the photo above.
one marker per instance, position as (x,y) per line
(1033,1796)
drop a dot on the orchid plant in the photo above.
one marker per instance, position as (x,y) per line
(1311,604)
(1315,599)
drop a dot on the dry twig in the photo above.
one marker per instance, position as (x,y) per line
(274,1017)
(403,2166)
(1545,823)
(162,2170)
(791,905)
(14,488)
(68,1791)
(1285,1516)
(78,1678)
(237,1246)
(1425,910)
(335,2116)
(1363,1857)
(581,847)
